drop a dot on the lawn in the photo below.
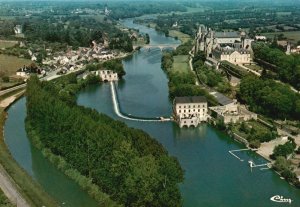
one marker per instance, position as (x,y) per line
(10,64)
(6,44)
(254,67)
(181,63)
(293,35)
(181,36)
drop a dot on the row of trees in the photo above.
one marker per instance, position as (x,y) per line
(76,32)
(287,66)
(209,76)
(127,164)
(256,133)
(270,98)
(135,9)
(282,164)
(221,19)
(182,84)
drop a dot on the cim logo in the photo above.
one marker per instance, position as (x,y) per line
(280,199)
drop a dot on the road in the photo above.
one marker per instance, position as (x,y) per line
(12,89)
(7,184)
(11,190)
(52,75)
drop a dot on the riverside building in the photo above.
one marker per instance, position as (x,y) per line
(190,110)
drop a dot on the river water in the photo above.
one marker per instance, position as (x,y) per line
(213,177)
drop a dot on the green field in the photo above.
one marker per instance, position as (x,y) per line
(6,44)
(254,67)
(293,35)
(181,63)
(10,64)
(99,18)
(181,36)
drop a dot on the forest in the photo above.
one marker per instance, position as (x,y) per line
(209,77)
(124,163)
(287,67)
(270,98)
(232,16)
(75,31)
(182,84)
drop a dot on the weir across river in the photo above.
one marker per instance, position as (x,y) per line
(122,115)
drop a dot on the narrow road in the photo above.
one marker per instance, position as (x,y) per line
(7,184)
(11,190)
(191,66)
(12,89)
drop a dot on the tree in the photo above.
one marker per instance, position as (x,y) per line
(5,79)
(284,150)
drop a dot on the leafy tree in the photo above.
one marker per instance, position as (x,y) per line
(5,79)
(125,163)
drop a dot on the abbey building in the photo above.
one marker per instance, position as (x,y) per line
(234,47)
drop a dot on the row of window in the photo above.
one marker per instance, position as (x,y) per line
(193,110)
(194,106)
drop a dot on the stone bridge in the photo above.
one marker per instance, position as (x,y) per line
(160,46)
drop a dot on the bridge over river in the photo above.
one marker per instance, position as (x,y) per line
(160,46)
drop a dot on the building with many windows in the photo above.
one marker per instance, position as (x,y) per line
(190,110)
(235,47)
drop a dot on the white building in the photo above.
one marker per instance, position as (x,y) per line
(233,55)
(208,41)
(261,38)
(232,113)
(22,72)
(18,29)
(107,75)
(190,111)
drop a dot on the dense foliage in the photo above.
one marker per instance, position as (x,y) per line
(114,65)
(287,66)
(127,164)
(284,150)
(256,133)
(182,84)
(4,202)
(141,8)
(75,31)
(270,98)
(284,166)
(229,15)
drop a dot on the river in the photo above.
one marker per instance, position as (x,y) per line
(213,177)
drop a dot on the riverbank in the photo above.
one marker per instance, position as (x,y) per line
(17,185)
(264,138)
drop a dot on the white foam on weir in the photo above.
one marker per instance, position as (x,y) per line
(117,109)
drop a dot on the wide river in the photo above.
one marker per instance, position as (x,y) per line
(213,177)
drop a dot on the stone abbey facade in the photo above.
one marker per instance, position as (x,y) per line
(234,47)
(190,110)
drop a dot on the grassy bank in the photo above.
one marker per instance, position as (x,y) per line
(292,35)
(84,182)
(29,189)
(4,202)
(180,63)
(179,35)
(10,64)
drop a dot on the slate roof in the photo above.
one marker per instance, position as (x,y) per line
(227,35)
(190,99)
(222,100)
